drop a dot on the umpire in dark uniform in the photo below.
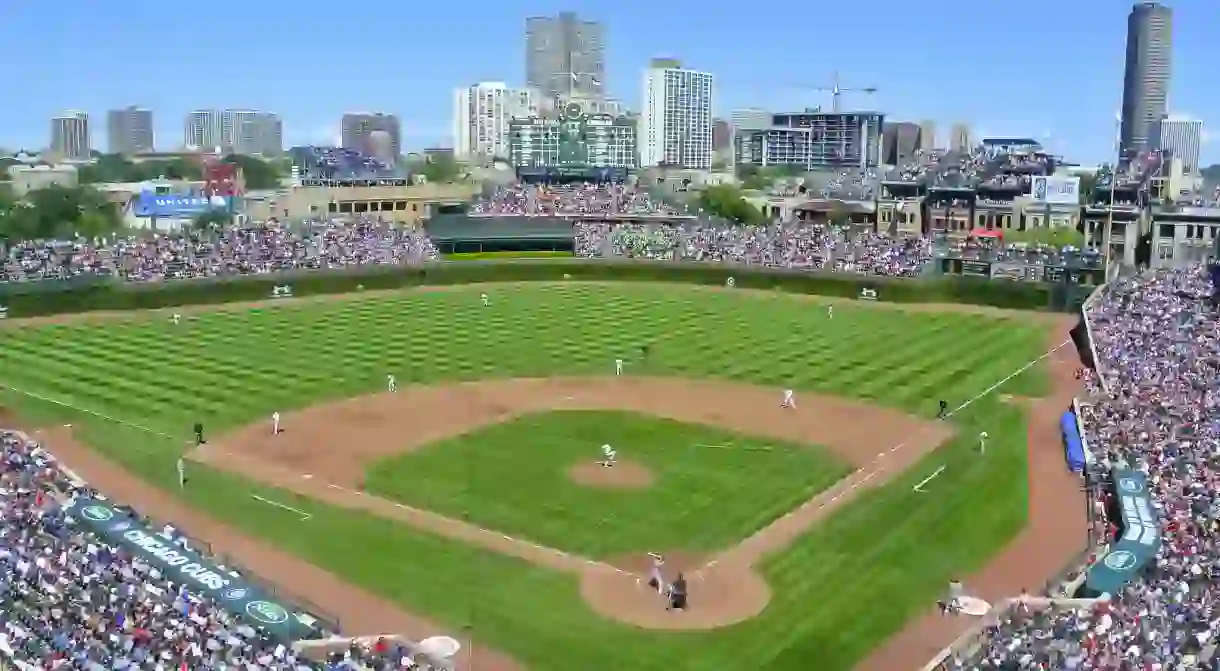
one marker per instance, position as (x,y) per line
(199,434)
(677,594)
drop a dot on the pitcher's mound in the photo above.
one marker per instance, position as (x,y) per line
(718,596)
(622,475)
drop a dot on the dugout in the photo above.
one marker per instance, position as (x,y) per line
(459,233)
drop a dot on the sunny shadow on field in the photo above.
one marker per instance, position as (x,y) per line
(710,488)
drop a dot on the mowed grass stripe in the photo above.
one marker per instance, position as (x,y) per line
(837,593)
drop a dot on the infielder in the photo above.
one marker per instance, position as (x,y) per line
(608,455)
(391,385)
(618,366)
(275,423)
(982,442)
(181,473)
(655,579)
(789,400)
(486,300)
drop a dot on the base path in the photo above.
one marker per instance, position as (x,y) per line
(1057,530)
(325,449)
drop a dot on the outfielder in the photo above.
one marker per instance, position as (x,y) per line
(618,366)
(982,442)
(830,312)
(391,385)
(608,455)
(789,400)
(275,423)
(655,579)
(486,300)
(176,319)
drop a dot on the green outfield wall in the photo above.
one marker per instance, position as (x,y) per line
(58,298)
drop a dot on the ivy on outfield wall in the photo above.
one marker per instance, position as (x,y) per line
(30,299)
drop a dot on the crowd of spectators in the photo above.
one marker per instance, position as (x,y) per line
(795,245)
(331,243)
(577,199)
(68,600)
(1152,407)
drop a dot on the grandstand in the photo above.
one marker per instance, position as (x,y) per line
(335,166)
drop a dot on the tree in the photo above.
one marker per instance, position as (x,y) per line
(838,215)
(108,168)
(440,169)
(211,220)
(259,174)
(57,212)
(726,201)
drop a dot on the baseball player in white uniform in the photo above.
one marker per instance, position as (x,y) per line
(181,473)
(608,455)
(618,366)
(176,319)
(789,400)
(830,312)
(275,423)
(655,579)
(391,385)
(982,442)
(486,300)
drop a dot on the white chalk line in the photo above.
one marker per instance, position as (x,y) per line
(304,515)
(919,486)
(874,467)
(87,411)
(491,532)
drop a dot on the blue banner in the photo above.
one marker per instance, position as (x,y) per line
(178,205)
(1140,540)
(1073,447)
(184,566)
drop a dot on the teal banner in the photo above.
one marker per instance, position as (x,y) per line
(1140,539)
(184,566)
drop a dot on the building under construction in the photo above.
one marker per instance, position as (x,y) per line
(813,140)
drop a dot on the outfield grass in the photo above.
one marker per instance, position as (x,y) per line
(838,591)
(706,494)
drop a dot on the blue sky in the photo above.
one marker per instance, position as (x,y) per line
(1048,69)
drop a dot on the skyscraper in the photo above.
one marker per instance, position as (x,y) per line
(481,114)
(238,131)
(358,126)
(927,134)
(129,130)
(1146,77)
(960,138)
(1181,139)
(675,126)
(565,56)
(70,135)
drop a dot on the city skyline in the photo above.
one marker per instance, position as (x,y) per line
(1071,109)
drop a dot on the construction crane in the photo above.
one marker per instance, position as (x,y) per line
(836,91)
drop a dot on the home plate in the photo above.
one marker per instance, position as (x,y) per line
(969,605)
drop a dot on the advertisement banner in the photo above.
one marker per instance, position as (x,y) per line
(1055,190)
(3,312)
(1140,539)
(178,205)
(187,567)
(976,268)
(867,294)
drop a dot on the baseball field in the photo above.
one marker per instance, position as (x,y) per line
(469,502)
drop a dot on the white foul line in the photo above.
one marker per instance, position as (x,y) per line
(304,515)
(874,467)
(919,487)
(87,411)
